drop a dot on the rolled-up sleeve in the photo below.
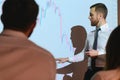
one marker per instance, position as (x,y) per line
(78,57)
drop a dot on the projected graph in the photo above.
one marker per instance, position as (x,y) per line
(56,9)
(43,13)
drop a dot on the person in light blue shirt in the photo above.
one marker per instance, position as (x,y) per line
(98,14)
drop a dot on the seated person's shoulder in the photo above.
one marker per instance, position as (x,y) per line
(45,55)
(40,52)
(43,61)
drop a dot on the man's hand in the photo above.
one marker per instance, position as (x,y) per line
(62,60)
(92,53)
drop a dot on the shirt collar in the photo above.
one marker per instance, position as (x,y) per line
(104,27)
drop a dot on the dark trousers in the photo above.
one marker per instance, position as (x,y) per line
(90,72)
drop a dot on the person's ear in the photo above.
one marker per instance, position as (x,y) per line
(31,28)
(100,16)
(33,25)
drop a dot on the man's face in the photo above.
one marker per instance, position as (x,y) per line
(93,17)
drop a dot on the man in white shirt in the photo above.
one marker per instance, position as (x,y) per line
(98,13)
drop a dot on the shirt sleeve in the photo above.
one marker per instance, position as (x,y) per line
(78,57)
(104,35)
(101,52)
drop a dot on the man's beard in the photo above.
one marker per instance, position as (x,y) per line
(94,23)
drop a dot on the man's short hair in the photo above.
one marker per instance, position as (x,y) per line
(100,7)
(18,14)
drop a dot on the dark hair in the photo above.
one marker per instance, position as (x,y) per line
(78,29)
(79,34)
(18,14)
(113,50)
(100,7)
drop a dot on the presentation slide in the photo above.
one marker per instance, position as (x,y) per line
(54,22)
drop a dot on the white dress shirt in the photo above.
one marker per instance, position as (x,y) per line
(102,40)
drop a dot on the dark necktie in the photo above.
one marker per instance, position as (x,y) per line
(95,48)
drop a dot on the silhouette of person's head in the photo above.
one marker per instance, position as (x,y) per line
(78,37)
(113,50)
(19,15)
